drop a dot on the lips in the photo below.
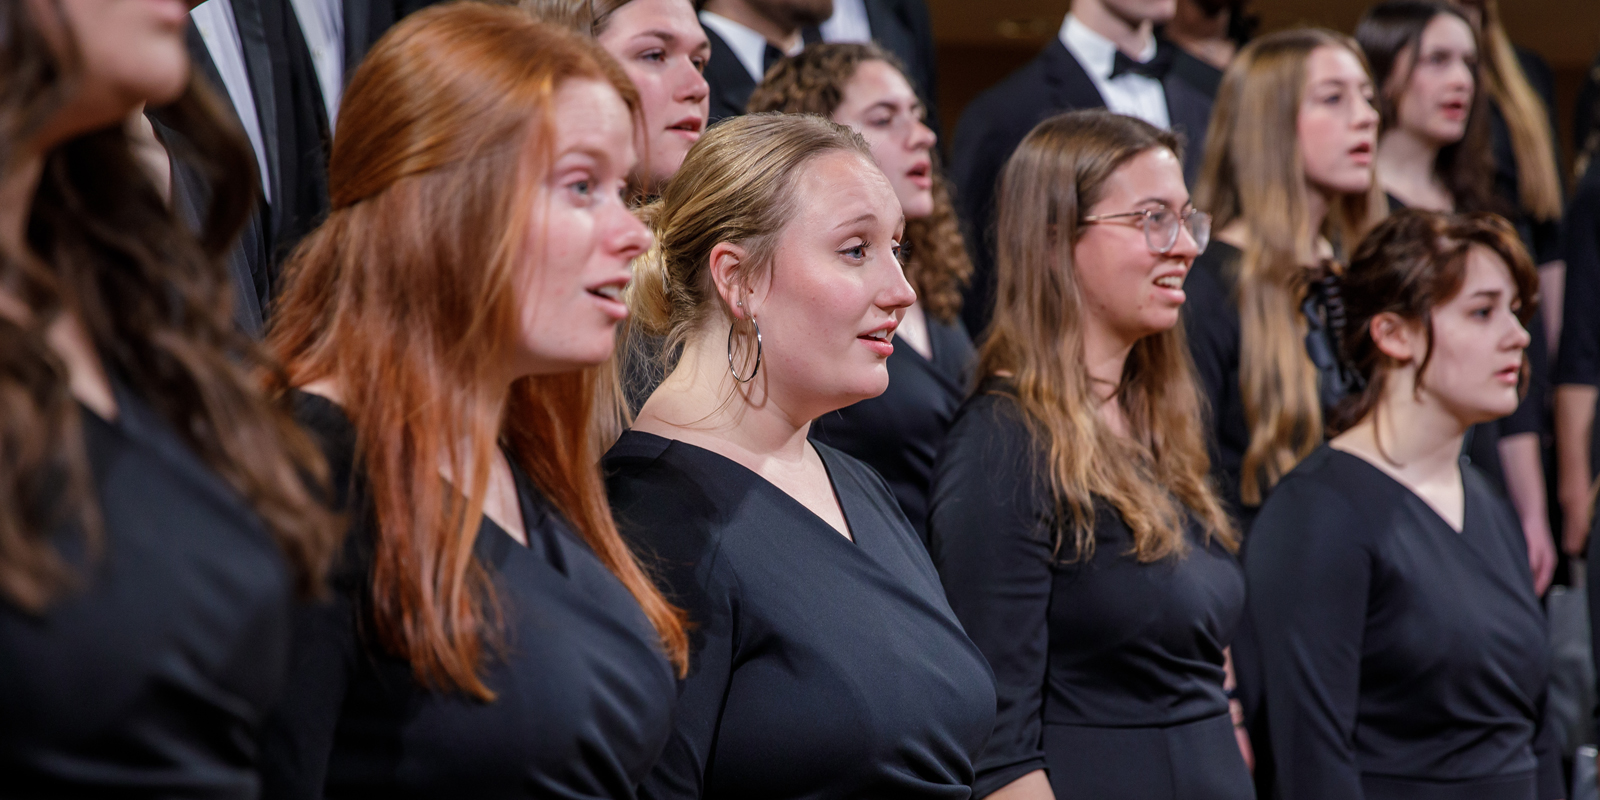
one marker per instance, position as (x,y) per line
(1454,110)
(1510,375)
(921,174)
(881,339)
(1361,153)
(608,296)
(690,127)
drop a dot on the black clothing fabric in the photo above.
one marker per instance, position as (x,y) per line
(1211,319)
(153,676)
(1586,113)
(998,120)
(583,692)
(1403,659)
(1542,237)
(1578,358)
(820,667)
(899,432)
(1109,672)
(730,82)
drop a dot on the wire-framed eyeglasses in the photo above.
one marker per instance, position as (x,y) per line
(1161,226)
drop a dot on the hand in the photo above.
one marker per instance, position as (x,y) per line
(1541,557)
(1241,735)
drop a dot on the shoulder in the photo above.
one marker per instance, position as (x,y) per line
(669,503)
(1330,492)
(1009,108)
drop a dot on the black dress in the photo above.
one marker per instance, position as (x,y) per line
(1109,673)
(820,667)
(583,693)
(898,433)
(1402,659)
(152,677)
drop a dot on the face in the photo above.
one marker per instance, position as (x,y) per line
(1477,344)
(582,238)
(132,54)
(835,292)
(1337,125)
(1435,103)
(1129,291)
(880,105)
(664,51)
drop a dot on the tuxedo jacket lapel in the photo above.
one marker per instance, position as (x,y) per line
(1069,84)
(731,83)
(258,65)
(364,22)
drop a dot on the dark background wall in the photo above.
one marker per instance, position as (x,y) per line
(980,41)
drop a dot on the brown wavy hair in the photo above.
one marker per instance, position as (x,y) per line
(1390,34)
(406,297)
(814,82)
(103,246)
(1253,171)
(1156,478)
(1411,264)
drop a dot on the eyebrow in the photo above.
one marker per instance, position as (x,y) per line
(867,217)
(669,38)
(1185,204)
(597,154)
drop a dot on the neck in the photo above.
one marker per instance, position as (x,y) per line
(782,33)
(1105,356)
(1131,36)
(1409,435)
(1407,162)
(700,402)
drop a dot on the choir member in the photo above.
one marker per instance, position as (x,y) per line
(1072,521)
(897,433)
(749,37)
(825,660)
(490,634)
(903,28)
(1433,153)
(1288,176)
(664,51)
(1404,649)
(1106,55)
(155,519)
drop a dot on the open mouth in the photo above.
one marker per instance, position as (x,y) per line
(1362,149)
(689,126)
(878,336)
(1170,281)
(610,291)
(921,174)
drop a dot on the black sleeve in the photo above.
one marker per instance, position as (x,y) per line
(1578,357)
(1307,579)
(992,548)
(687,564)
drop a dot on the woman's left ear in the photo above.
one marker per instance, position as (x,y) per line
(1395,337)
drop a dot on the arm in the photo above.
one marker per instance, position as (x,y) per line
(1236,712)
(297,739)
(1524,472)
(1307,579)
(993,553)
(1574,427)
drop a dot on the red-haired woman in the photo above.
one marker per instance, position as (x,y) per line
(490,634)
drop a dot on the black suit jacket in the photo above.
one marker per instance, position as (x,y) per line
(997,121)
(730,82)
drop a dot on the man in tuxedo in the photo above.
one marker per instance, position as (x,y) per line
(902,27)
(747,38)
(1106,56)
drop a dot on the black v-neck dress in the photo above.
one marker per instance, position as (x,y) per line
(1403,660)
(899,433)
(152,676)
(583,692)
(819,667)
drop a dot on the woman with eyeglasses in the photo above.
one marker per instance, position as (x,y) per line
(1072,520)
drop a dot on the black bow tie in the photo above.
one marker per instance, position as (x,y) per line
(1156,68)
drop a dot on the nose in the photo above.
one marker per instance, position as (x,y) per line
(1520,339)
(1366,114)
(1461,75)
(898,293)
(1185,247)
(626,236)
(922,136)
(692,87)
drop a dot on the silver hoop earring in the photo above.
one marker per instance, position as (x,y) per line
(734,369)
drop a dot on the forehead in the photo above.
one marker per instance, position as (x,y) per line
(842,185)
(875,81)
(590,114)
(1485,270)
(1334,63)
(1155,174)
(675,17)
(1448,31)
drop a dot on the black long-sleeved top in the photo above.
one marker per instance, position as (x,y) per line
(820,667)
(1578,358)
(152,676)
(1402,658)
(1105,644)
(899,432)
(1211,320)
(583,692)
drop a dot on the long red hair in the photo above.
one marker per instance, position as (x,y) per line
(406,298)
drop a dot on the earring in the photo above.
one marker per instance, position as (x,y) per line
(734,369)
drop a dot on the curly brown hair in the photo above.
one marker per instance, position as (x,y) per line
(813,82)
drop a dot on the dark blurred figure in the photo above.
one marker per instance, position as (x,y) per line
(748,37)
(1211,33)
(1106,56)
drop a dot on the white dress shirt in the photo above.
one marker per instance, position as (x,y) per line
(747,45)
(1133,95)
(848,23)
(322,22)
(220,31)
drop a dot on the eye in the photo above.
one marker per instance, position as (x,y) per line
(1333,99)
(1483,313)
(655,54)
(881,120)
(856,253)
(1160,216)
(699,63)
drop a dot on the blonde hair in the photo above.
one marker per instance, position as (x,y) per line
(1527,119)
(1253,171)
(1156,477)
(736,185)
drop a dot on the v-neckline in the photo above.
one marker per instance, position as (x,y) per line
(854,539)
(1433,512)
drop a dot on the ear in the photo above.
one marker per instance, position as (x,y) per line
(725,262)
(1396,338)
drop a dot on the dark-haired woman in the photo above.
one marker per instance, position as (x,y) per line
(1073,523)
(490,635)
(1433,153)
(1404,651)
(899,432)
(154,522)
